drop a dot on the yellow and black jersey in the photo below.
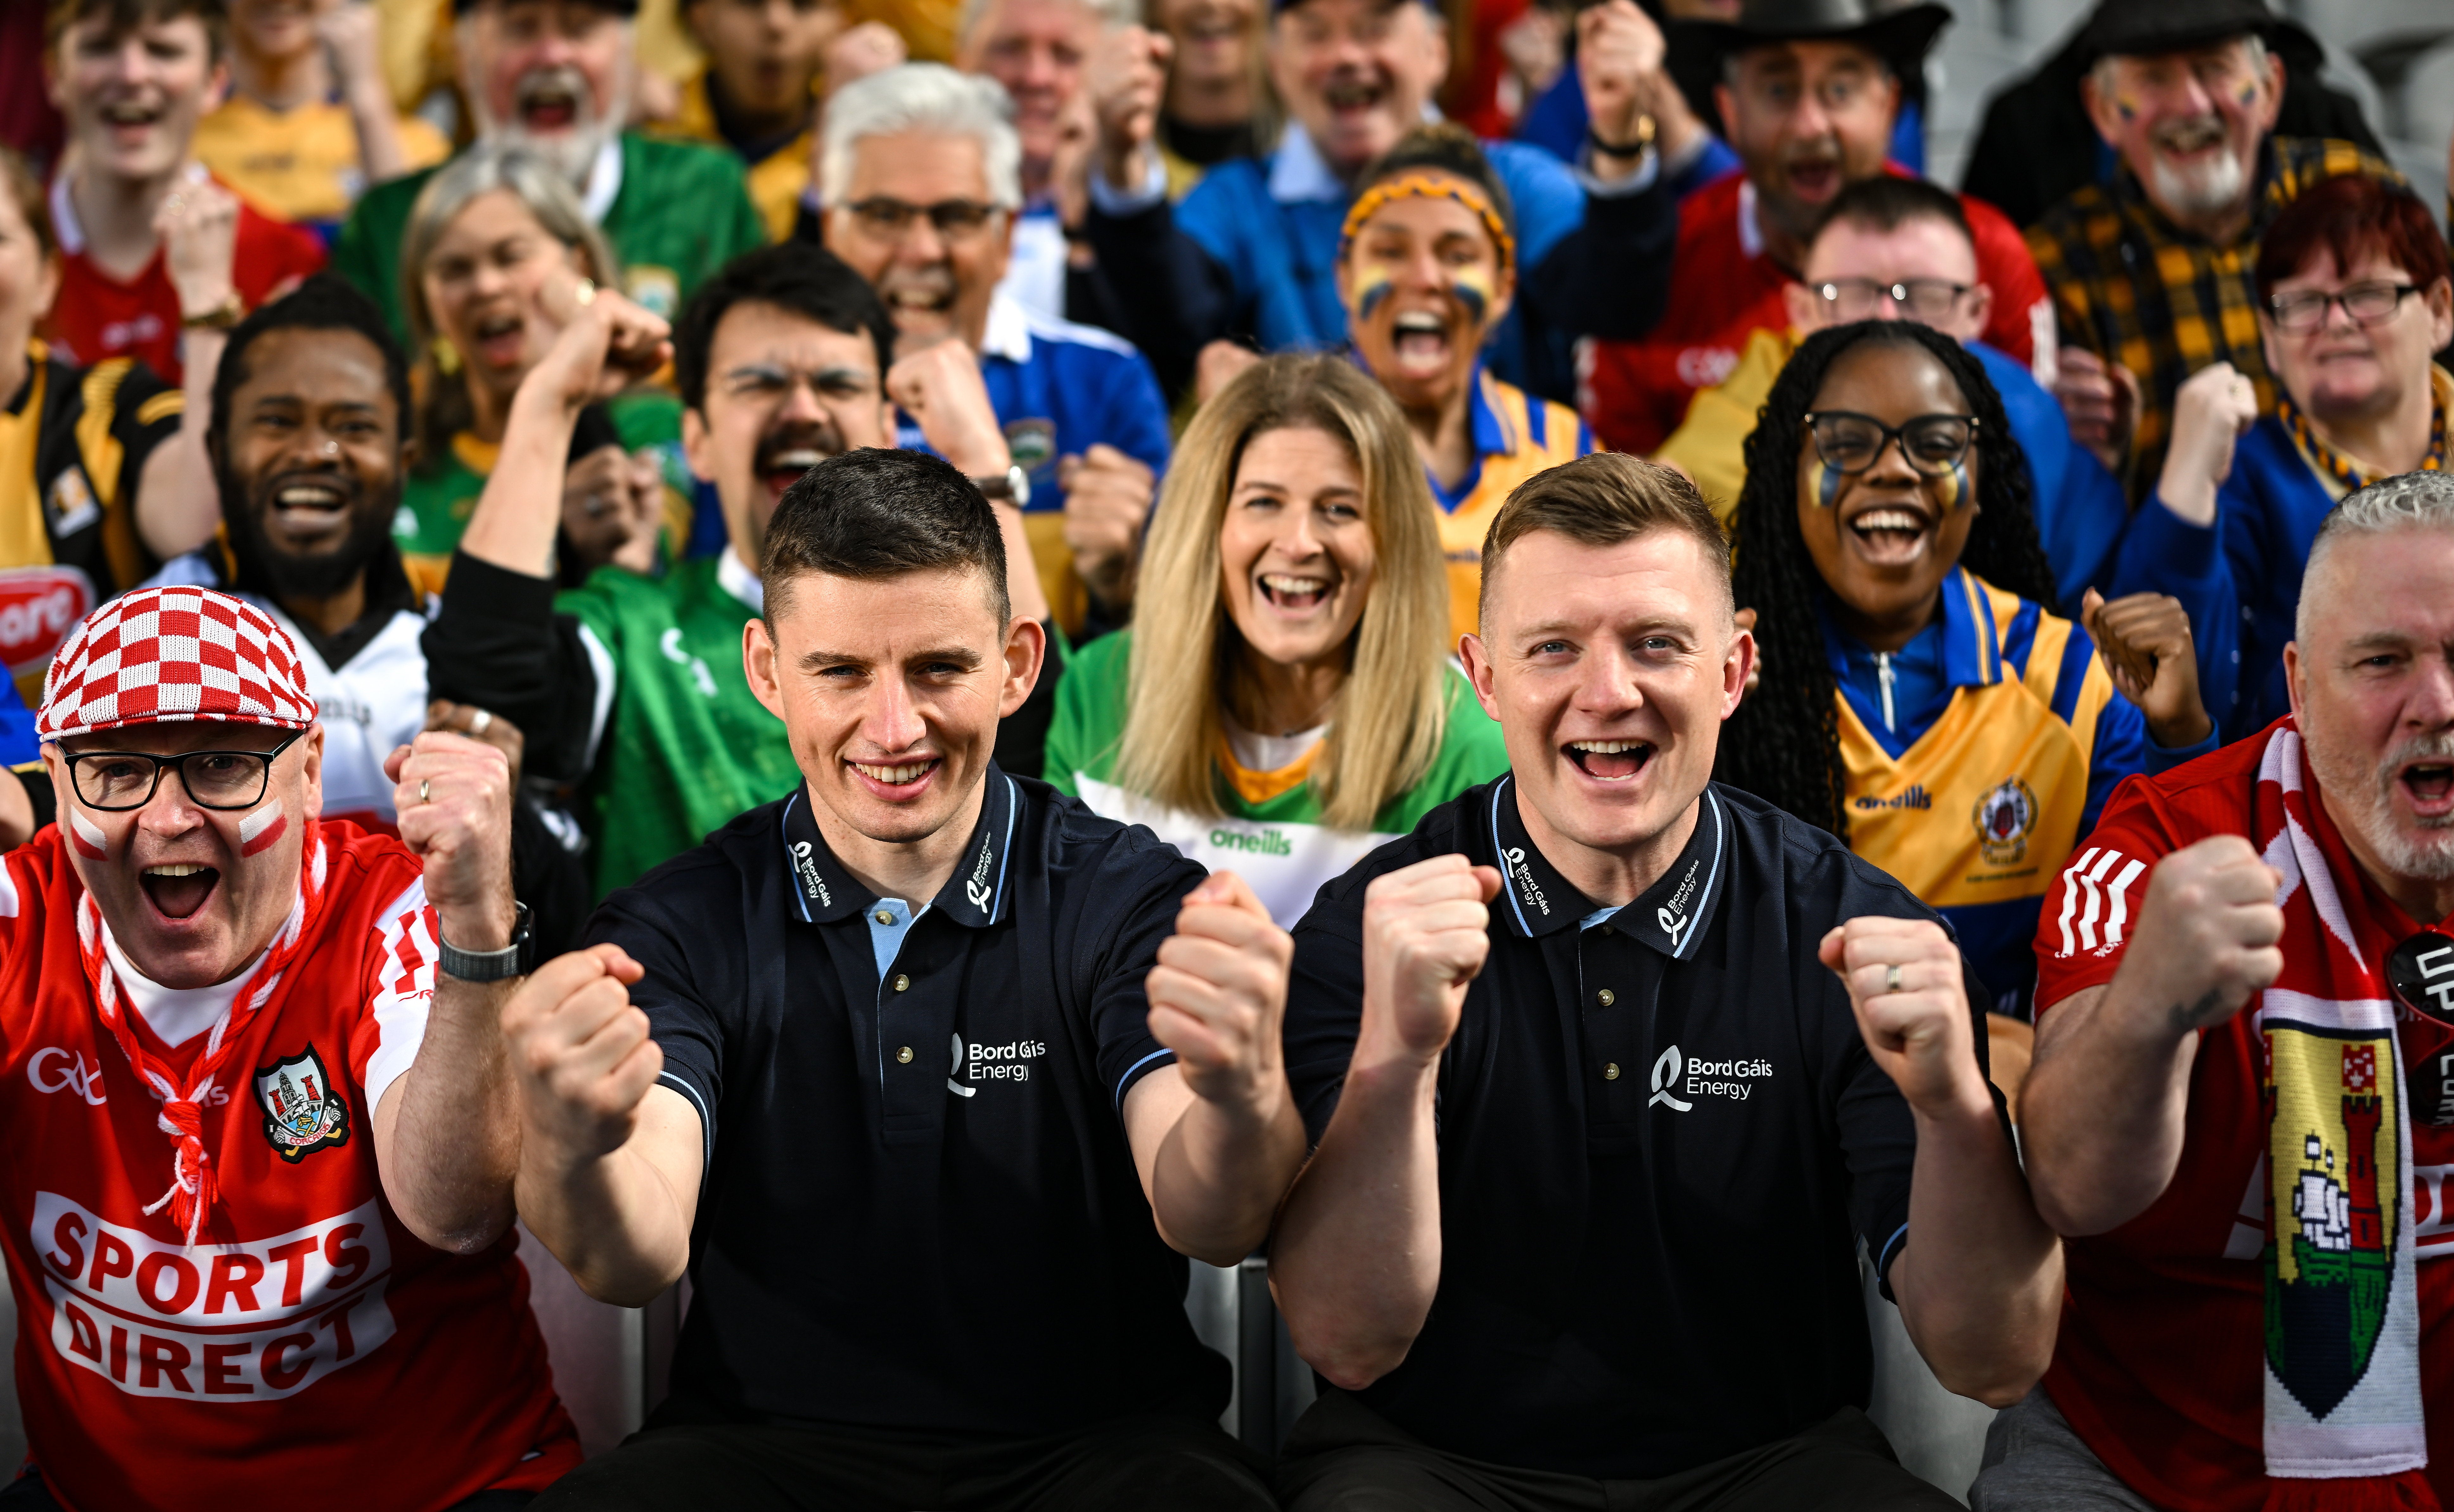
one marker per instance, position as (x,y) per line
(72,443)
(1976,755)
(1515,436)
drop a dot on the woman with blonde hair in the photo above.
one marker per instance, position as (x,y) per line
(1284,701)
(494,238)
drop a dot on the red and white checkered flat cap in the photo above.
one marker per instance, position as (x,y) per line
(169,655)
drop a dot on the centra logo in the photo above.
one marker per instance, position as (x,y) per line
(1915,797)
(1268,842)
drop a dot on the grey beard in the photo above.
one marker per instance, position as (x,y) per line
(2366,803)
(2218,185)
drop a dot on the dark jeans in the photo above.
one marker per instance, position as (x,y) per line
(1343,1456)
(688,1459)
(28,1493)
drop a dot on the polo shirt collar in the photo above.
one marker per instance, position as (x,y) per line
(975,897)
(734,575)
(1972,651)
(1299,173)
(1493,434)
(1666,916)
(1008,332)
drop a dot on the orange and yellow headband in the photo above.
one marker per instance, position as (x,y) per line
(1430,186)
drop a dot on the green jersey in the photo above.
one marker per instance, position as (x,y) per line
(1278,844)
(683,210)
(685,745)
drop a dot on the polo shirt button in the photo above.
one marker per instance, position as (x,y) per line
(904,1055)
(1610,1071)
(883,916)
(901,982)
(1605,997)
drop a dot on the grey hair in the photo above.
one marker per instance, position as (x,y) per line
(2407,501)
(1110,13)
(921,97)
(527,177)
(2099,73)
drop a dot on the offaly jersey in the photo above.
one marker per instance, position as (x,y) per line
(1270,832)
(310,1338)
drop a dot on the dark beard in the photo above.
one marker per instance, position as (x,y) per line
(278,575)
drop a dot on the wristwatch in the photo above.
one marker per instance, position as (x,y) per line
(487,966)
(1012,487)
(220,317)
(1643,143)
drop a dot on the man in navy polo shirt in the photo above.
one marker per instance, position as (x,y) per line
(1596,1160)
(927,1077)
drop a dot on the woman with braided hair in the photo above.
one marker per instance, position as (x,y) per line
(1917,698)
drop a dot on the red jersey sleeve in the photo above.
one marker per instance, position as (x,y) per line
(272,255)
(398,990)
(2090,910)
(2023,317)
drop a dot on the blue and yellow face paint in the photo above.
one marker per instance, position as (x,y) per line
(1826,480)
(1374,281)
(1951,489)
(1472,286)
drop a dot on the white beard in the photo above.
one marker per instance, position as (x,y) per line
(2205,189)
(572,152)
(2365,803)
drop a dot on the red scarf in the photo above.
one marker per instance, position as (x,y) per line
(194,1189)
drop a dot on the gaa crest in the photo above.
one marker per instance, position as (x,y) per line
(302,1112)
(2004,816)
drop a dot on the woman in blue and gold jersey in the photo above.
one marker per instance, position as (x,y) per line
(1918,699)
(1427,270)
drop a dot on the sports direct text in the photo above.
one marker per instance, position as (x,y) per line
(233,1322)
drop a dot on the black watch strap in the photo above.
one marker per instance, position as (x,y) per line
(488,965)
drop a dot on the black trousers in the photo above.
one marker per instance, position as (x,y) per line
(1343,1456)
(29,1494)
(1133,1464)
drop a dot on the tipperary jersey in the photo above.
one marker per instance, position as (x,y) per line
(1976,756)
(1515,436)
(1269,831)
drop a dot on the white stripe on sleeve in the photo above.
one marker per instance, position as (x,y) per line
(404,989)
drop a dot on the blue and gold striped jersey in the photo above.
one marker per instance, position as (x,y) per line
(1976,756)
(1515,436)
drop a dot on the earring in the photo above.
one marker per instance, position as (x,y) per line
(447,356)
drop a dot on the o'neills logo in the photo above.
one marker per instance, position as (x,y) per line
(1673,915)
(813,885)
(1526,887)
(976,888)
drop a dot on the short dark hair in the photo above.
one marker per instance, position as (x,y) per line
(120,17)
(1889,201)
(872,513)
(326,301)
(801,277)
(1604,499)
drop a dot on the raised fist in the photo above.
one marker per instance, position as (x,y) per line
(2205,939)
(2211,411)
(1427,932)
(1919,1031)
(453,801)
(1107,497)
(1219,992)
(2145,641)
(580,1052)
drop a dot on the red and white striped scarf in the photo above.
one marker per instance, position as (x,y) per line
(2345,1430)
(194,1189)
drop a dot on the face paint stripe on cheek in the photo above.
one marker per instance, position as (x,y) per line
(1374,284)
(1472,286)
(91,842)
(1827,483)
(1951,488)
(263,828)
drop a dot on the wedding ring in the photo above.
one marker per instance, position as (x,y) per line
(584,291)
(479,720)
(1891,978)
(426,795)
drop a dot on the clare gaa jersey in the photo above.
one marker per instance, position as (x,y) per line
(2158,1365)
(309,1339)
(1515,436)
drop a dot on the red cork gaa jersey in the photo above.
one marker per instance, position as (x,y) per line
(307,1339)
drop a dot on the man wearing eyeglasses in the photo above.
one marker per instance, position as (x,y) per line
(920,172)
(2238,1115)
(1899,249)
(258,1217)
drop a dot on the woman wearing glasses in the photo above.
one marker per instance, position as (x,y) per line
(1916,697)
(2353,298)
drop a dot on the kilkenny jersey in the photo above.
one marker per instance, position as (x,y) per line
(1976,754)
(1270,832)
(72,445)
(310,1338)
(301,165)
(1515,436)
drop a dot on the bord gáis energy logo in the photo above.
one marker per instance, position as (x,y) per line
(977,1063)
(1673,1073)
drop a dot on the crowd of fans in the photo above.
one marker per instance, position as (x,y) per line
(914,660)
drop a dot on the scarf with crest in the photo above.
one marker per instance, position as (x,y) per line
(194,1188)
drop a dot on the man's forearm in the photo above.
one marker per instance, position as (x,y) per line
(1358,1253)
(178,505)
(518,513)
(2103,1111)
(613,1221)
(1980,1285)
(1221,1171)
(454,1144)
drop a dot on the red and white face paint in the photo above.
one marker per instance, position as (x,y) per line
(262,829)
(88,837)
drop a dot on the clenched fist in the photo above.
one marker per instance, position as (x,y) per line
(1107,497)
(452,797)
(1427,932)
(1219,992)
(1917,1030)
(2145,641)
(2205,939)
(580,1052)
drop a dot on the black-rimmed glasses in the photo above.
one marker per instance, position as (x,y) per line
(1849,442)
(2369,304)
(115,781)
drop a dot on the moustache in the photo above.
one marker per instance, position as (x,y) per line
(2189,135)
(783,441)
(555,79)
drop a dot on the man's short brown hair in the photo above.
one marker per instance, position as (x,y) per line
(120,17)
(1605,499)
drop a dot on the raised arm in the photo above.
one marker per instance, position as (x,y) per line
(2104,1107)
(1358,1253)
(609,1160)
(1980,1281)
(1216,1136)
(178,505)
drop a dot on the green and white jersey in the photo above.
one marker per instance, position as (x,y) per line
(684,746)
(1278,844)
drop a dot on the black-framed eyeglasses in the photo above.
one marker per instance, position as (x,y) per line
(956,219)
(115,781)
(1849,442)
(1924,298)
(2373,303)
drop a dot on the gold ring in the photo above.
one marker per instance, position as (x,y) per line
(1891,978)
(584,291)
(426,796)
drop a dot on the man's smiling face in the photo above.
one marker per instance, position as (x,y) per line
(311,460)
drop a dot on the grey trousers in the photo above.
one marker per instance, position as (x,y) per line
(2035,1463)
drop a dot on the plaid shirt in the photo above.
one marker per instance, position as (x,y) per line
(2131,287)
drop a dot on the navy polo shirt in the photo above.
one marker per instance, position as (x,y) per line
(1661,1141)
(920,1210)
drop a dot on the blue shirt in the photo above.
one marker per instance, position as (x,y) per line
(2080,507)
(1559,120)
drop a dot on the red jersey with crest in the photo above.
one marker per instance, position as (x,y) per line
(2160,1362)
(309,1340)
